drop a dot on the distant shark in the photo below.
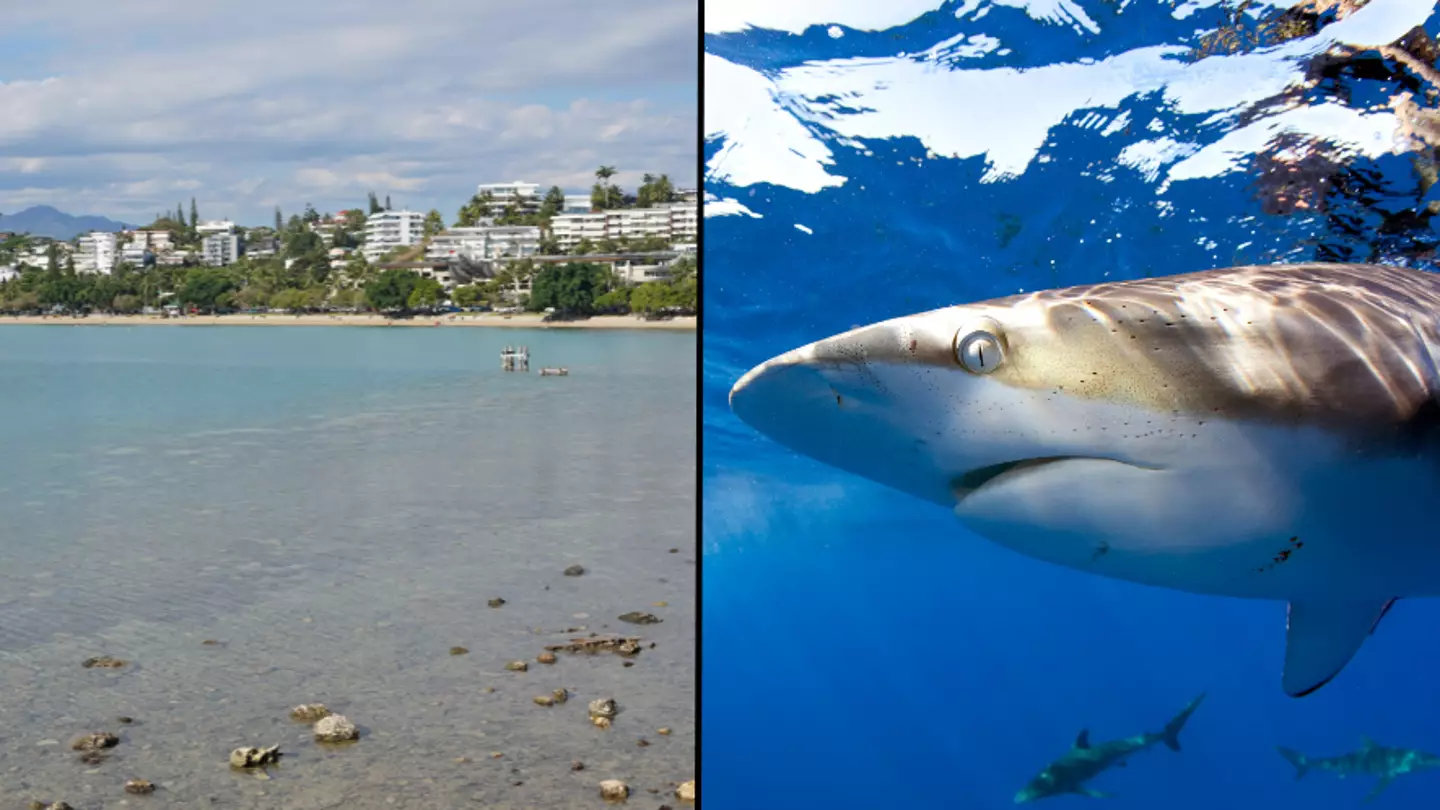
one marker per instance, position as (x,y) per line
(1084,761)
(1263,432)
(1370,759)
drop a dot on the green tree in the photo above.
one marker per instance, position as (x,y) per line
(466,296)
(426,294)
(553,203)
(655,191)
(204,286)
(374,204)
(390,291)
(279,221)
(434,223)
(617,301)
(311,216)
(194,215)
(571,288)
(387,202)
(126,304)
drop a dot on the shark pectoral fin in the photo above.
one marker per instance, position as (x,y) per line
(1380,785)
(1322,636)
(1095,794)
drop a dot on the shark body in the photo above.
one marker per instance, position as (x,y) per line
(1084,761)
(1370,759)
(1266,432)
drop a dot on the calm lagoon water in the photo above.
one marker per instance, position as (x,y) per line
(867,161)
(335,507)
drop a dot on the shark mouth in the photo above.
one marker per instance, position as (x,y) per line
(967,484)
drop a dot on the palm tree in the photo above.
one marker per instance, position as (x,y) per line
(604,173)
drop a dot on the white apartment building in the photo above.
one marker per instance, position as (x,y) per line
(387,230)
(220,249)
(263,247)
(685,221)
(527,194)
(339,257)
(569,229)
(133,253)
(326,231)
(97,253)
(173,258)
(38,254)
(484,243)
(677,222)
(576,204)
(8,273)
(214,226)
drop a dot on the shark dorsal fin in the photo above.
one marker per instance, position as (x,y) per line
(1082,740)
(1366,743)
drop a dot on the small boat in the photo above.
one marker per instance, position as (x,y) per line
(554,372)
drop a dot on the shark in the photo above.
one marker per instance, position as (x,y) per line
(1370,759)
(1261,432)
(1085,760)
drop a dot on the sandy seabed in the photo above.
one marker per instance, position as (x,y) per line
(526,321)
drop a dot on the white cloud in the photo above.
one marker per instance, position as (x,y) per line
(321,102)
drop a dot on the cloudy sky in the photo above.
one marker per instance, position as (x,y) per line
(125,109)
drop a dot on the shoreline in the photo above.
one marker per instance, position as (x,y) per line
(519,321)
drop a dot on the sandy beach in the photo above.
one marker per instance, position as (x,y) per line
(525,320)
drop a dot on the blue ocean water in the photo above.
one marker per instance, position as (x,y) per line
(862,649)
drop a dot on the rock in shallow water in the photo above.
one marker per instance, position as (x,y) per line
(140,787)
(613,790)
(604,707)
(250,757)
(96,742)
(336,728)
(686,791)
(309,712)
(575,571)
(639,617)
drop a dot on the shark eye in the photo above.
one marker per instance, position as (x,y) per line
(979,351)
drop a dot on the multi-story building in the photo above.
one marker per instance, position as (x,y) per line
(174,258)
(263,247)
(140,242)
(484,243)
(685,221)
(576,204)
(677,222)
(570,229)
(526,195)
(325,228)
(220,249)
(387,230)
(339,257)
(96,253)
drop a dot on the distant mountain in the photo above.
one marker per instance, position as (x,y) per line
(42,220)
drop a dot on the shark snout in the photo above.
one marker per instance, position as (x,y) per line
(854,401)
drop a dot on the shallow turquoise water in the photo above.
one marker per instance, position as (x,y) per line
(335,506)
